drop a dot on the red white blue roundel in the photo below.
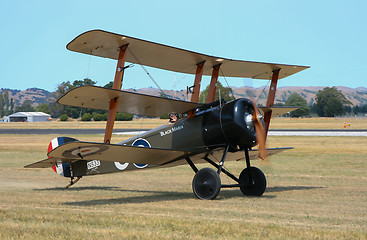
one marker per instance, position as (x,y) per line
(140,142)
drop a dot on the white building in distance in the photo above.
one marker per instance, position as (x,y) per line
(29,117)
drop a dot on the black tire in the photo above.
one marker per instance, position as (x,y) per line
(258,186)
(206,184)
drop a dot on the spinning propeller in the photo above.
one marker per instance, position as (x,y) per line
(260,133)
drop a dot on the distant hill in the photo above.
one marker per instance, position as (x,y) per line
(36,95)
(358,96)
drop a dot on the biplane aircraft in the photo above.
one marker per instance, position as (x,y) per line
(226,131)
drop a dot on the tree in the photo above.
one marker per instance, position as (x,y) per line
(330,102)
(6,101)
(108,85)
(224,93)
(124,117)
(11,106)
(84,82)
(297,100)
(64,117)
(44,107)
(87,117)
(2,103)
(26,106)
(97,116)
(64,87)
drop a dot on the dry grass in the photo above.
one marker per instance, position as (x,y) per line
(317,123)
(74,124)
(316,191)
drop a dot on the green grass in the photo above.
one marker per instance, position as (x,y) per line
(316,191)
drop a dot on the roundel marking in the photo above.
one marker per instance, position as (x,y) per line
(120,166)
(141,142)
(84,151)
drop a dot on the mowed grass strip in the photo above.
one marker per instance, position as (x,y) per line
(316,191)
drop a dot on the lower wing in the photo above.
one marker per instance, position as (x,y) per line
(75,151)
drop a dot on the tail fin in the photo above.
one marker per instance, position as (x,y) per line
(62,169)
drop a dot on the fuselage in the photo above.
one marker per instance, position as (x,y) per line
(213,126)
(224,124)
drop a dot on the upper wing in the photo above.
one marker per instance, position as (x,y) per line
(107,44)
(277,110)
(134,103)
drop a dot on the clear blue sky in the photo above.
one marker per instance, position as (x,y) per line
(329,36)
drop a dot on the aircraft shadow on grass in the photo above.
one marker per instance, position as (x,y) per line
(158,196)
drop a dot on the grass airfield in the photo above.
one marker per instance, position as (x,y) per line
(316,191)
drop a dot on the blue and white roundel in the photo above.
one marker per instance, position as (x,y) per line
(140,142)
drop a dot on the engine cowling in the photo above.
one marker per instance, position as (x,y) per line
(235,121)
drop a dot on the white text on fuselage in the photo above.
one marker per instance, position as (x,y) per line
(171,130)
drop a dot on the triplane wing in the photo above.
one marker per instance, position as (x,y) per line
(106,44)
(134,103)
(89,151)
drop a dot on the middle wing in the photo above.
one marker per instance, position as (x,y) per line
(135,103)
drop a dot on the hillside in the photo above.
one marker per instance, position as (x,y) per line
(358,96)
(36,95)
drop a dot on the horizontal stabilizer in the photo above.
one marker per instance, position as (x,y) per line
(277,110)
(48,162)
(134,103)
(106,44)
(115,153)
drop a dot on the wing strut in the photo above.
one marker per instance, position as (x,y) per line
(271,97)
(117,83)
(213,84)
(196,91)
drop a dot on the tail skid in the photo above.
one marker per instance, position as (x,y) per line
(72,182)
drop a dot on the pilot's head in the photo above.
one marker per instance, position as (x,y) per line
(173,117)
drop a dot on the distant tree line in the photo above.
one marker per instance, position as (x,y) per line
(329,102)
(65,112)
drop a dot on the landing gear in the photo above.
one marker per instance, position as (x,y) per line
(206,184)
(257,185)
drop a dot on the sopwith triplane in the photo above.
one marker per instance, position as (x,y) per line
(226,131)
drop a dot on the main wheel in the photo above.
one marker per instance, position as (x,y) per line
(206,184)
(257,186)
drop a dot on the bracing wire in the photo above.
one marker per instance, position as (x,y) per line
(263,91)
(90,58)
(225,79)
(149,75)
